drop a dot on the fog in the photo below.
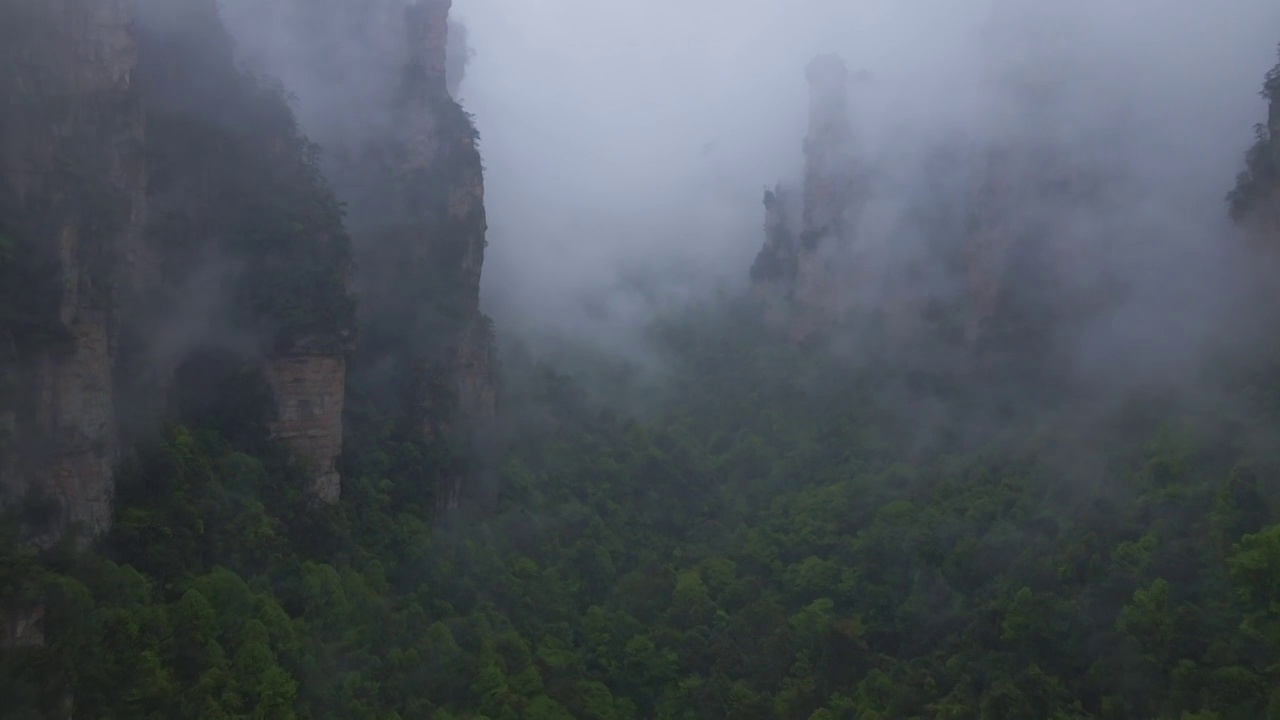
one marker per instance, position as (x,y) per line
(627,135)
(627,144)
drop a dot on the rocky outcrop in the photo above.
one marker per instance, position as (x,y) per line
(1255,200)
(968,254)
(427,22)
(72,175)
(829,170)
(310,396)
(773,273)
(403,157)
(23,627)
(249,239)
(810,245)
(833,199)
(473,373)
(440,171)
(154,200)
(458,56)
(159,205)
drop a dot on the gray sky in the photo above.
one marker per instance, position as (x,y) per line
(624,133)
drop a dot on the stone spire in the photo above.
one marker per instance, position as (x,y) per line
(827,149)
(832,199)
(805,267)
(428,26)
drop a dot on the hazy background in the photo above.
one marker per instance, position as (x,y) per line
(622,136)
(628,142)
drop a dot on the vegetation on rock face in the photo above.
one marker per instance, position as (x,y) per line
(782,532)
(233,181)
(776,261)
(65,208)
(1256,184)
(420,228)
(776,538)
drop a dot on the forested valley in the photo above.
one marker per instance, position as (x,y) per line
(741,524)
(768,540)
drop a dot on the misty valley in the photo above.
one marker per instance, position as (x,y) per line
(499,360)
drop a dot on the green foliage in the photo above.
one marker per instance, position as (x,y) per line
(774,534)
(236,189)
(1261,176)
(1271,85)
(785,552)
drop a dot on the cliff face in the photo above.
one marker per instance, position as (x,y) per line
(249,240)
(773,274)
(829,172)
(458,56)
(1255,200)
(974,254)
(72,186)
(809,244)
(154,202)
(403,157)
(310,397)
(833,198)
(440,229)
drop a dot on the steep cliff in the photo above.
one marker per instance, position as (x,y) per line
(71,204)
(773,273)
(972,252)
(433,241)
(155,202)
(829,161)
(310,393)
(833,198)
(403,157)
(809,245)
(458,56)
(250,249)
(1255,200)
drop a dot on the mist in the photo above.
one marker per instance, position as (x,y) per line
(627,145)
(629,139)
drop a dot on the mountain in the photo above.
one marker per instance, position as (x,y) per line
(254,462)
(373,87)
(968,258)
(72,204)
(167,222)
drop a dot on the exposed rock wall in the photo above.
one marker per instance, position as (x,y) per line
(828,154)
(473,373)
(832,199)
(156,203)
(773,273)
(458,57)
(310,395)
(1255,200)
(253,252)
(135,160)
(403,156)
(440,144)
(71,165)
(811,246)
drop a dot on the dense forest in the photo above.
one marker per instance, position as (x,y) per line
(779,530)
(772,537)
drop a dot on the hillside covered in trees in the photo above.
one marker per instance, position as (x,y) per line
(782,528)
(791,551)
